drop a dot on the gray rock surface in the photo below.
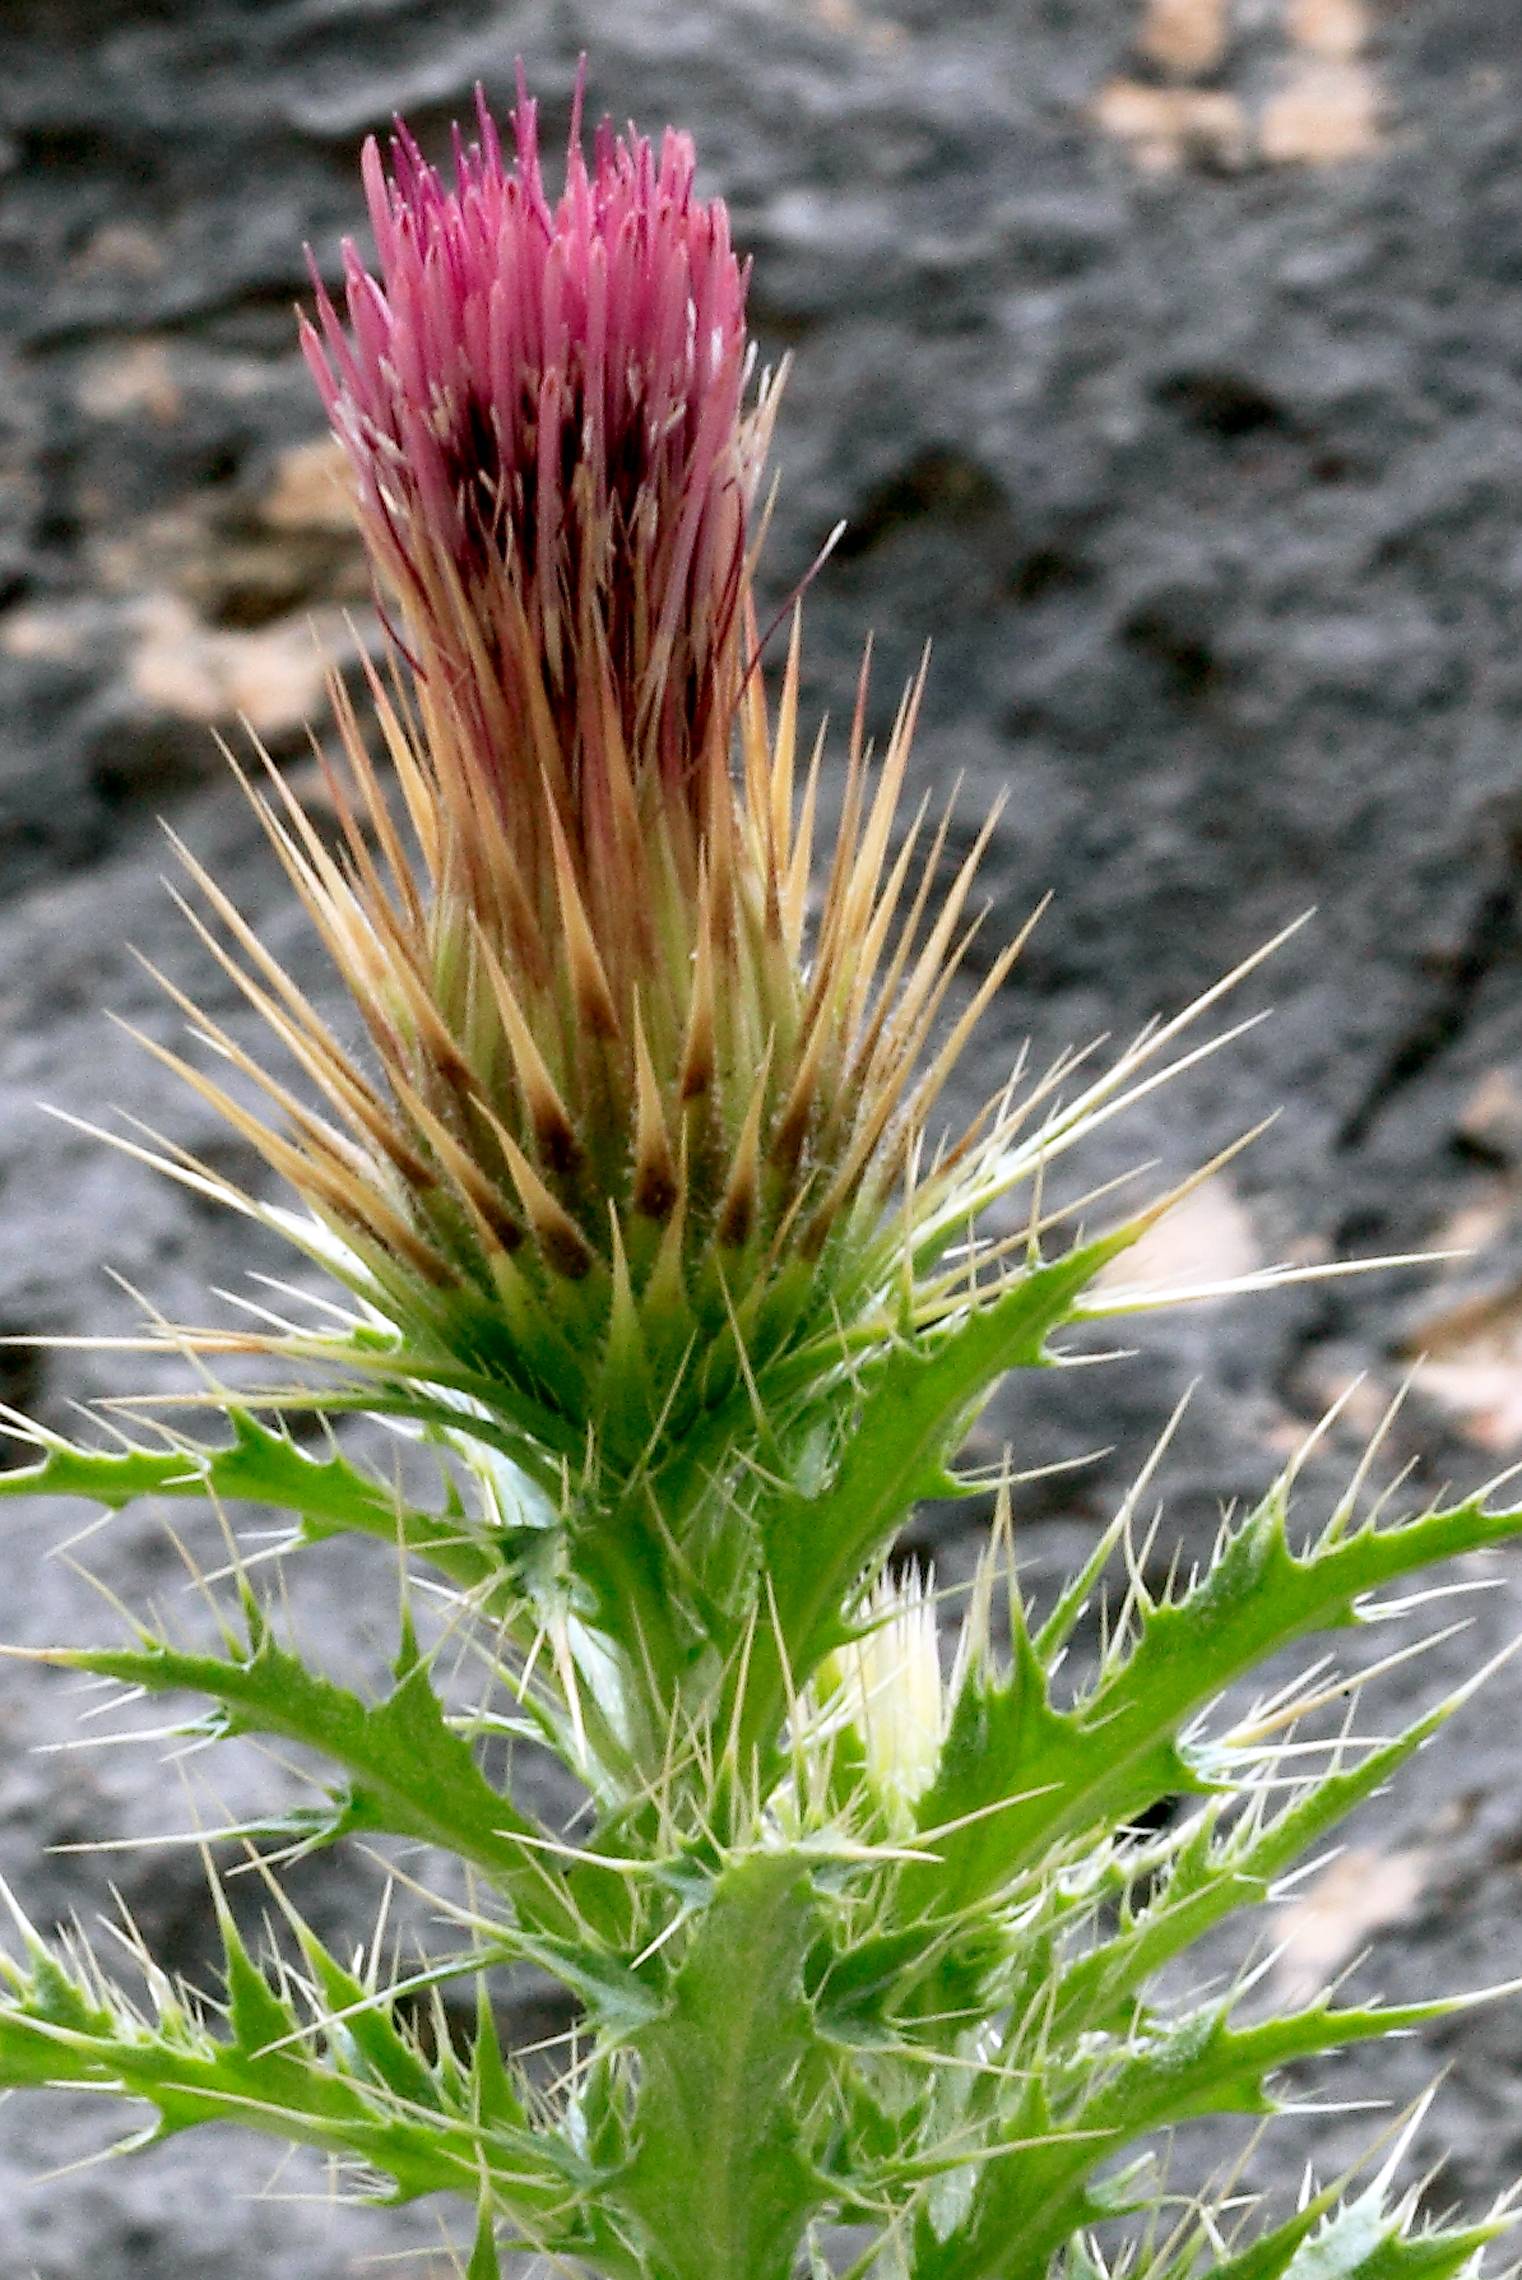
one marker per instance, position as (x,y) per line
(1171,382)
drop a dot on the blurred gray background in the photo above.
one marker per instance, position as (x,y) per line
(1165,360)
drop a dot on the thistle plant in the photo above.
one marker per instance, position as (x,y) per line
(624,1199)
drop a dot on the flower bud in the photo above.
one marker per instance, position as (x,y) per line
(887,1688)
(630,1124)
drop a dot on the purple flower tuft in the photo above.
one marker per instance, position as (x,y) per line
(542,408)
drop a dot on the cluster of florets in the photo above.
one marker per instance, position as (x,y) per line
(542,408)
(635,1105)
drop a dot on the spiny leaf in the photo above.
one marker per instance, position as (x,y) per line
(914,1410)
(411,1774)
(363,2020)
(257,2015)
(493,2099)
(1033,1776)
(483,2263)
(1027,2202)
(190,2078)
(717,2182)
(1330,2238)
(328,1496)
(1362,2240)
(1212,1873)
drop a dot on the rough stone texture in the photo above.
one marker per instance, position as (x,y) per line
(1166,363)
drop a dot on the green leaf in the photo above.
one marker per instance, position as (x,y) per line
(1032,2195)
(410,1773)
(1361,2240)
(363,2023)
(1020,1776)
(1212,1871)
(1330,2238)
(483,2263)
(493,2099)
(914,1410)
(56,2029)
(328,1495)
(257,2016)
(717,2182)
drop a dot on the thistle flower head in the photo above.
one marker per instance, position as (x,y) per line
(633,1110)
